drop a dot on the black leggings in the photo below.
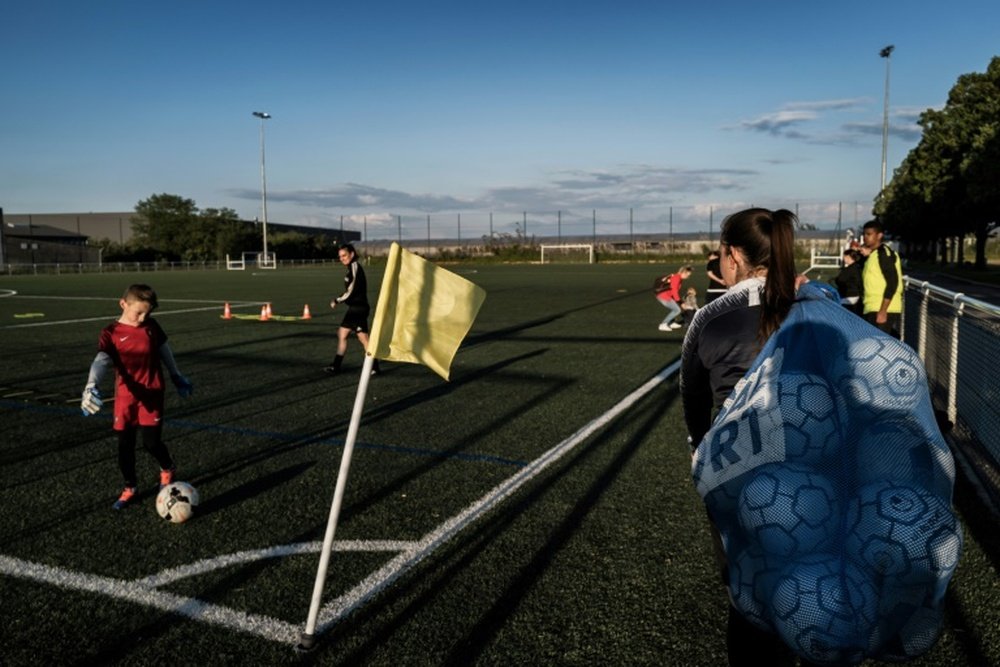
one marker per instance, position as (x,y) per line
(153,443)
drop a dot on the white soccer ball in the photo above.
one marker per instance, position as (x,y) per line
(811,420)
(789,510)
(176,502)
(903,534)
(752,576)
(880,371)
(824,609)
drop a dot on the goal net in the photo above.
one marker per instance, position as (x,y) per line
(568,253)
(267,260)
(259,259)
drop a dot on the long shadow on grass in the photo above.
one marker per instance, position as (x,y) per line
(478,638)
(14,450)
(253,488)
(968,642)
(981,526)
(436,391)
(499,334)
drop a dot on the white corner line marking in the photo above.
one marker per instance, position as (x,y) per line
(143,591)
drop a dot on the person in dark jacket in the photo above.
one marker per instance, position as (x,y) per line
(757,261)
(355,298)
(849,281)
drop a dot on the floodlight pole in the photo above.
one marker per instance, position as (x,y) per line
(885,53)
(263,177)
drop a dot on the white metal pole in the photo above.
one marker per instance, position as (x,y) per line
(263,178)
(308,639)
(885,53)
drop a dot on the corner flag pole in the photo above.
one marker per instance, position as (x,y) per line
(308,638)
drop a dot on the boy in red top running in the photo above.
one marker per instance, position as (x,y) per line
(134,347)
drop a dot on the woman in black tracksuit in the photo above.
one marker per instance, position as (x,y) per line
(725,337)
(355,297)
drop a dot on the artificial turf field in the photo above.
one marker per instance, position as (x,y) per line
(480,526)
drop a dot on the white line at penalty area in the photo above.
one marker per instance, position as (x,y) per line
(144,590)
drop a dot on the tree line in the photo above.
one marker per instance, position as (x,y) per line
(172,228)
(948,186)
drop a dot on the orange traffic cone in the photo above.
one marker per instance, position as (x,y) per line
(227,314)
(268,308)
(306,315)
(263,314)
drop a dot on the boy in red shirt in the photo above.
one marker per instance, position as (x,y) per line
(135,346)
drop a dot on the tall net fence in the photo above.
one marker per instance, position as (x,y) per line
(958,339)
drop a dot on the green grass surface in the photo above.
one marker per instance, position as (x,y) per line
(603,558)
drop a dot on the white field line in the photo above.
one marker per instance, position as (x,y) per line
(120,589)
(143,591)
(109,299)
(334,611)
(111,316)
(207,565)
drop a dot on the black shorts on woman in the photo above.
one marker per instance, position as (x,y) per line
(356,318)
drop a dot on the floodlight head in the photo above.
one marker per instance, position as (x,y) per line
(261,114)
(887,51)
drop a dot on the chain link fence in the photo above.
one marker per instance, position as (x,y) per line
(958,339)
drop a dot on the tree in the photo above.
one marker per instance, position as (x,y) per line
(164,223)
(951,179)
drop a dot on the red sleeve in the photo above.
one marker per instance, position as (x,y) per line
(105,343)
(675,287)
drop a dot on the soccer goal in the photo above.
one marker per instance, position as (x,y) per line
(236,264)
(818,260)
(267,260)
(568,253)
(261,260)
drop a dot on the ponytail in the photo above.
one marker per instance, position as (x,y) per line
(767,240)
(779,286)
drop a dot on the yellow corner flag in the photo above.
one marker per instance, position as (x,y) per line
(423,312)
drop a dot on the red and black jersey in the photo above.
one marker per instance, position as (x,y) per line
(135,353)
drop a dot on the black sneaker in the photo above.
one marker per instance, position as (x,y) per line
(331,370)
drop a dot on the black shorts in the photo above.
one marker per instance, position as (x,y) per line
(356,319)
(891,326)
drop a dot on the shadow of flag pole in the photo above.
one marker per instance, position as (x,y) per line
(422,316)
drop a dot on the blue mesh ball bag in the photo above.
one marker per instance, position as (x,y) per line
(830,484)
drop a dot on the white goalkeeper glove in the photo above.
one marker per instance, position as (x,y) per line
(184,386)
(91,403)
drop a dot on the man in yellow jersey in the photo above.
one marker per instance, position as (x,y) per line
(882,280)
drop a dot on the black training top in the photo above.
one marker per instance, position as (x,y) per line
(720,345)
(355,286)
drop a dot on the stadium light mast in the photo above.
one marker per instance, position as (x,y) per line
(885,53)
(263,177)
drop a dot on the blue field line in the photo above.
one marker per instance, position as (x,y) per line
(274,435)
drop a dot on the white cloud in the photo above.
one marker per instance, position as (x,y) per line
(620,187)
(816,122)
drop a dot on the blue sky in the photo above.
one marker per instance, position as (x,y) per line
(463,108)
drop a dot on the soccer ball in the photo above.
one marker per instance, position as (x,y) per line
(176,502)
(752,575)
(789,510)
(825,608)
(812,425)
(875,371)
(919,631)
(902,450)
(904,533)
